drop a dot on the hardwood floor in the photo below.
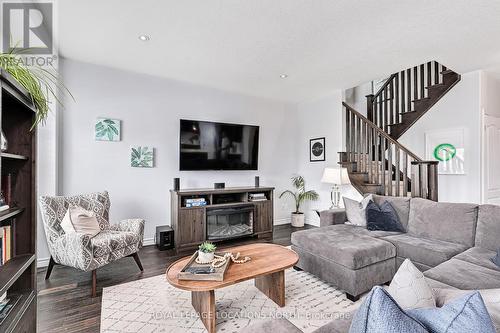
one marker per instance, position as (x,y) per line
(64,302)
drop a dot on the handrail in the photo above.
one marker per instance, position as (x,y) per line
(382,133)
(387,82)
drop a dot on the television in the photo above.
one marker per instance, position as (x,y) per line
(206,145)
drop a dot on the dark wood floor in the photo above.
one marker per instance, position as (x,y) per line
(64,302)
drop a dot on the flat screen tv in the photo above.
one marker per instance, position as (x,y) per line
(207,145)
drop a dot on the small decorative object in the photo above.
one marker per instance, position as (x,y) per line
(300,196)
(107,129)
(206,253)
(219,185)
(142,157)
(317,149)
(257,181)
(3,142)
(337,177)
(447,147)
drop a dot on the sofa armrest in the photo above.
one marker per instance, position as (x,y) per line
(72,249)
(332,216)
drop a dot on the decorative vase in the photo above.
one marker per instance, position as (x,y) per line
(297,220)
(3,142)
(205,256)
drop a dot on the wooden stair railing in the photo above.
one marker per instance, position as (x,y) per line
(379,164)
(408,95)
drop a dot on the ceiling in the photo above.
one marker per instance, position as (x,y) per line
(244,45)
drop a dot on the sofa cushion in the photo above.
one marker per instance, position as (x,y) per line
(465,275)
(488,227)
(379,313)
(451,222)
(467,313)
(400,204)
(336,243)
(496,259)
(356,211)
(382,218)
(365,232)
(430,252)
(478,256)
(108,241)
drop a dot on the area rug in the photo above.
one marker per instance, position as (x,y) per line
(153,305)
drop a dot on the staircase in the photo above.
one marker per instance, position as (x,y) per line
(376,161)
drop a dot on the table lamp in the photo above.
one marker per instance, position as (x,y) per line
(337,177)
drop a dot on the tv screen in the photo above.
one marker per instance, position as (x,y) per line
(207,145)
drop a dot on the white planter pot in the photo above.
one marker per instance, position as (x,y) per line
(297,220)
(205,257)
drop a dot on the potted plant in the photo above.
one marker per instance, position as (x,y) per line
(43,85)
(206,252)
(300,196)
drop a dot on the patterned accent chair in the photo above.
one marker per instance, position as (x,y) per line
(80,250)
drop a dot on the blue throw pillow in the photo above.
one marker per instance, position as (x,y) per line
(465,314)
(382,218)
(380,313)
(496,259)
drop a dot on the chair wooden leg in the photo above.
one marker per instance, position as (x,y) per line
(94,282)
(138,261)
(49,268)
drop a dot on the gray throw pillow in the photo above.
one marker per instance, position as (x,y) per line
(380,313)
(356,211)
(382,218)
(496,259)
(466,314)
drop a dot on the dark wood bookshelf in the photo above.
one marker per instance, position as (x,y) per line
(18,275)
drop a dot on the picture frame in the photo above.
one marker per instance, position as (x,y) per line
(317,148)
(107,129)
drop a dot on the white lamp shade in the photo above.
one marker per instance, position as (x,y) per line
(337,176)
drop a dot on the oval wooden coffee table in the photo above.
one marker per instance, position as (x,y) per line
(267,267)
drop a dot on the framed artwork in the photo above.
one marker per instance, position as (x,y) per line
(142,157)
(317,150)
(446,147)
(107,129)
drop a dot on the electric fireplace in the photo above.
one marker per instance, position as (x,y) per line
(230,222)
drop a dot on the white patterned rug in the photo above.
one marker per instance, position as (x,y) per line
(153,305)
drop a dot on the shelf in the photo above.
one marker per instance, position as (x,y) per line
(230,204)
(14,156)
(17,312)
(13,269)
(10,213)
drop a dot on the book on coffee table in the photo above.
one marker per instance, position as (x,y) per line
(198,272)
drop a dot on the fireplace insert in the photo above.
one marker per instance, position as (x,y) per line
(230,222)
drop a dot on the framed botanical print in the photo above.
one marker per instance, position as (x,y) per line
(317,150)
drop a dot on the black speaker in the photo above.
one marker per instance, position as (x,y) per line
(219,185)
(164,238)
(177,184)
(257,181)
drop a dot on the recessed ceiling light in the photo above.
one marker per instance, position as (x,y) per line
(283,76)
(144,38)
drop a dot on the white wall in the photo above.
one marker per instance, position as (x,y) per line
(320,118)
(150,109)
(459,108)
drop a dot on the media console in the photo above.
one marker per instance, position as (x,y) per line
(220,214)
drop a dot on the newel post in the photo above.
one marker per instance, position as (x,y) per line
(369,106)
(424,179)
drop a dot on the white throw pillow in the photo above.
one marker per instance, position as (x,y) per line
(80,220)
(410,289)
(356,211)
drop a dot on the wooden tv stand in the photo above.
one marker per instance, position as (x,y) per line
(189,223)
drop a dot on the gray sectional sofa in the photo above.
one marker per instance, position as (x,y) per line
(452,243)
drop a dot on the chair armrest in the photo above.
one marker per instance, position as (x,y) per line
(332,216)
(131,225)
(73,249)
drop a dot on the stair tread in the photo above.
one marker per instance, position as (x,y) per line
(436,85)
(421,99)
(447,71)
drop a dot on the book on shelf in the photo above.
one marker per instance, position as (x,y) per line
(196,204)
(4,208)
(193,200)
(6,247)
(257,197)
(7,305)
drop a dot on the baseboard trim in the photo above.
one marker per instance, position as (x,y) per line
(285,220)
